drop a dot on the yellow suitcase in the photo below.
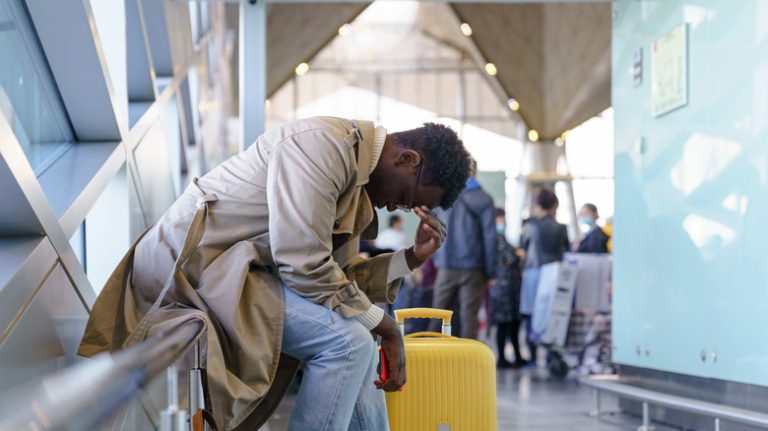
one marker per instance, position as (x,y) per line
(451,382)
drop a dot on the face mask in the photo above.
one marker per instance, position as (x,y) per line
(500,228)
(586,220)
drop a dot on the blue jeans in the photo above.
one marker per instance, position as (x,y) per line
(340,358)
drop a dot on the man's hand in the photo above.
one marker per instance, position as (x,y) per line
(394,349)
(429,237)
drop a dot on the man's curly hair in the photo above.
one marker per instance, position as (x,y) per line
(446,161)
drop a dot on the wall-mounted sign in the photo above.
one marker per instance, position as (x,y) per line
(669,71)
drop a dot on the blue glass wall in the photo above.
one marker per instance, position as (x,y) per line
(691,228)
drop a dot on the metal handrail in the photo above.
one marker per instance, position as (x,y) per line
(613,384)
(85,395)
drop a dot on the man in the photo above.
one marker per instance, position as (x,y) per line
(276,276)
(467,262)
(595,240)
(393,237)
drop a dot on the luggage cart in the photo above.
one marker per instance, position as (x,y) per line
(575,333)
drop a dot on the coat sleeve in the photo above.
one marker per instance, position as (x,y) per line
(488,227)
(372,277)
(306,175)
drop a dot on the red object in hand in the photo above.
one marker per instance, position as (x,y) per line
(383,366)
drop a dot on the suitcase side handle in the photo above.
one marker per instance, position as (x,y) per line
(424,313)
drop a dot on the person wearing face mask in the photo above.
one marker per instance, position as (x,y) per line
(505,296)
(595,240)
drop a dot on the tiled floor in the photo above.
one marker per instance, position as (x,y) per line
(528,400)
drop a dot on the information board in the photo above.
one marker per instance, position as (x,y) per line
(669,71)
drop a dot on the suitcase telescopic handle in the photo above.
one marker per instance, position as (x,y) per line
(424,313)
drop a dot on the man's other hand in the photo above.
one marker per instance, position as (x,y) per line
(429,237)
(394,350)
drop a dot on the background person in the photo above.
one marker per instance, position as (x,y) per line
(545,241)
(505,296)
(392,238)
(595,240)
(466,263)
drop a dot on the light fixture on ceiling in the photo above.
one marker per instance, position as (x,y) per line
(345,29)
(302,69)
(513,104)
(533,135)
(466,29)
(564,136)
(490,69)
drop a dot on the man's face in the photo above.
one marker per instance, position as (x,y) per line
(586,212)
(397,183)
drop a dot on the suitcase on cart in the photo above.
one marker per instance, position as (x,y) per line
(451,382)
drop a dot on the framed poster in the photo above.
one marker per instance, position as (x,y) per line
(669,71)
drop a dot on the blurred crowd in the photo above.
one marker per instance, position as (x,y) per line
(489,283)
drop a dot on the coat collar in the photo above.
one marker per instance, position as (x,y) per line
(365,149)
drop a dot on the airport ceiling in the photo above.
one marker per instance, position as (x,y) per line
(553,58)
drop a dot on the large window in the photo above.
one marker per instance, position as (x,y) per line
(589,151)
(29,99)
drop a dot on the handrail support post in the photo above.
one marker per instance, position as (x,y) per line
(646,418)
(173,419)
(598,411)
(196,384)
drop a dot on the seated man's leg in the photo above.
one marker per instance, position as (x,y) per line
(371,407)
(337,357)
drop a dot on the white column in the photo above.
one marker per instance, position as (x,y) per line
(253,69)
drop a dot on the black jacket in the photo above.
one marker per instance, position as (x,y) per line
(545,241)
(596,241)
(471,239)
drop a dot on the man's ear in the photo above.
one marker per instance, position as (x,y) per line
(408,158)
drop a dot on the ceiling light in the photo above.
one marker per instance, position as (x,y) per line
(466,29)
(302,69)
(564,136)
(345,29)
(490,69)
(513,104)
(533,135)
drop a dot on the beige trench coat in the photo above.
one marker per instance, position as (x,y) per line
(291,208)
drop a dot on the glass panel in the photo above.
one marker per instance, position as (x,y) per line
(691,199)
(107,235)
(173,141)
(45,338)
(29,98)
(77,244)
(154,173)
